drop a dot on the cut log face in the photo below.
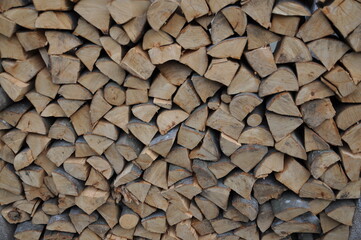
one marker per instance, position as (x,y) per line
(180,119)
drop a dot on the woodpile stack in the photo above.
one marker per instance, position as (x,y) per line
(180,119)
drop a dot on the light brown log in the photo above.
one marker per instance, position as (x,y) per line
(215,68)
(204,93)
(291,8)
(193,37)
(260,11)
(306,223)
(236,17)
(341,211)
(265,217)
(260,37)
(272,162)
(352,39)
(249,208)
(262,61)
(248,156)
(129,147)
(282,80)
(174,25)
(28,230)
(59,151)
(308,72)
(285,25)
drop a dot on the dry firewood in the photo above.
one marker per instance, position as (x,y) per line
(243,81)
(129,147)
(291,8)
(65,183)
(328,58)
(9,181)
(144,132)
(53,110)
(176,173)
(281,126)
(260,11)
(14,139)
(13,113)
(308,72)
(319,161)
(188,187)
(328,131)
(40,102)
(222,225)
(88,54)
(313,90)
(130,173)
(95,12)
(134,62)
(193,37)
(87,31)
(169,119)
(128,219)
(189,137)
(194,9)
(119,116)
(136,83)
(339,81)
(228,145)
(196,60)
(145,111)
(241,183)
(159,12)
(248,231)
(23,16)
(7,4)
(281,80)
(53,235)
(55,20)
(272,162)
(135,27)
(323,108)
(160,55)
(209,209)
(338,232)
(139,189)
(110,211)
(28,230)
(214,71)
(42,161)
(341,211)
(162,88)
(11,48)
(350,62)
(7,197)
(220,28)
(306,223)
(40,217)
(256,135)
(208,150)
(82,148)
(156,174)
(154,39)
(111,69)
(98,143)
(80,219)
(350,163)
(174,24)
(248,156)
(327,223)
(179,156)
(262,61)
(285,25)
(59,151)
(242,104)
(297,150)
(236,17)
(352,39)
(5,99)
(64,69)
(289,178)
(119,35)
(350,191)
(97,180)
(60,223)
(289,206)
(77,167)
(249,208)
(186,97)
(24,70)
(162,144)
(265,216)
(202,227)
(335,12)
(93,81)
(90,199)
(146,158)
(218,194)
(292,49)
(335,177)
(14,88)
(69,107)
(204,87)
(14,215)
(23,159)
(32,175)
(259,37)
(317,26)
(101,165)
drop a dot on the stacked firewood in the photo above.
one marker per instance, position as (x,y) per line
(180,119)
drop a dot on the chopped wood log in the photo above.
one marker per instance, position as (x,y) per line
(306,223)
(248,156)
(265,217)
(260,11)
(341,211)
(335,177)
(285,25)
(259,37)
(352,39)
(263,55)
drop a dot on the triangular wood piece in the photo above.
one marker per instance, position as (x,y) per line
(308,72)
(196,60)
(228,48)
(156,174)
(143,131)
(208,150)
(329,132)
(336,49)
(313,142)
(282,80)
(88,55)
(292,49)
(168,119)
(280,126)
(236,17)
(260,37)
(272,162)
(205,87)
(256,135)
(139,189)
(176,173)
(312,91)
(292,146)
(248,156)
(70,106)
(95,12)
(162,144)
(244,81)
(220,28)
(260,11)
(179,156)
(61,42)
(283,104)
(99,107)
(291,8)
(98,143)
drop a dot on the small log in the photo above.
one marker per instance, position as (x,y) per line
(90,199)
(77,167)
(335,13)
(144,132)
(145,111)
(159,55)
(97,180)
(95,12)
(281,80)
(60,223)
(23,159)
(341,211)
(214,71)
(208,150)
(297,150)
(11,48)
(137,62)
(256,135)
(130,173)
(308,72)
(135,27)
(129,147)
(350,191)
(65,183)
(285,25)
(350,163)
(272,162)
(186,97)
(249,208)
(319,161)
(146,158)
(289,178)
(174,25)
(328,58)
(260,11)
(162,144)
(335,177)
(156,174)
(236,17)
(248,156)
(128,219)
(153,39)
(32,175)
(306,223)
(352,39)
(163,8)
(189,137)
(291,8)
(13,87)
(289,206)
(193,37)
(119,116)
(218,194)
(111,69)
(220,28)
(196,60)
(280,131)
(265,56)
(241,183)
(176,174)
(28,230)
(204,87)
(260,37)
(329,132)
(162,88)
(265,217)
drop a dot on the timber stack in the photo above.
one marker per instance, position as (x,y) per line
(180,119)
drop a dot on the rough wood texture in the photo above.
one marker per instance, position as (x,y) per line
(180,119)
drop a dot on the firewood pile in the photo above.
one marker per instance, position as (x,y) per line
(180,119)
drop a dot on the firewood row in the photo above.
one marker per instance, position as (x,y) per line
(180,119)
